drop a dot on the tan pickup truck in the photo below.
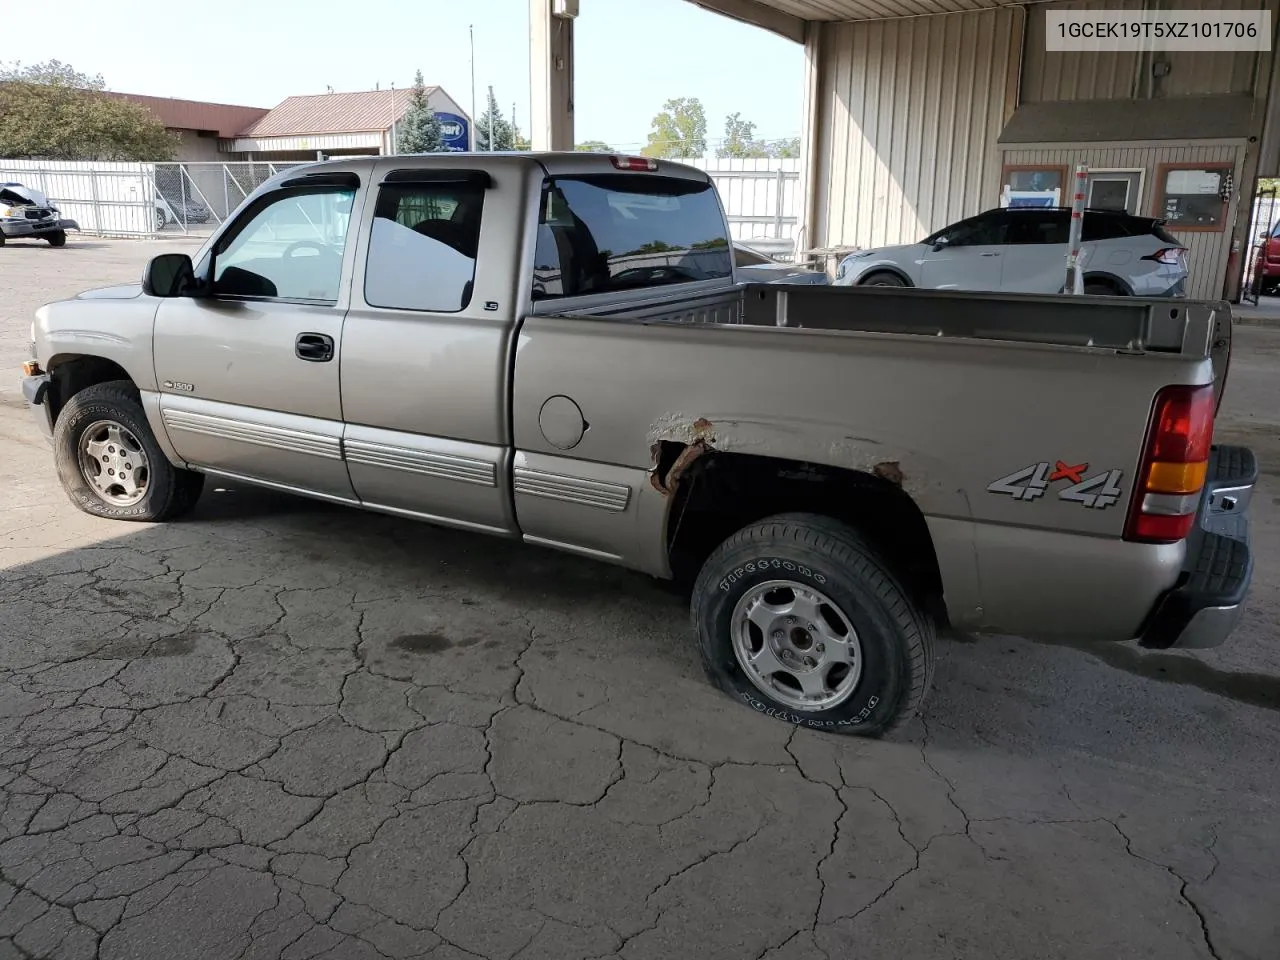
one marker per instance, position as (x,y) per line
(554,348)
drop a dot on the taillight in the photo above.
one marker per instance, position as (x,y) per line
(639,164)
(1174,463)
(1171,256)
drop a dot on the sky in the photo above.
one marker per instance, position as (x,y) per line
(632,55)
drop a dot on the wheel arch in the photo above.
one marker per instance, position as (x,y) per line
(872,270)
(1118,284)
(717,493)
(70,373)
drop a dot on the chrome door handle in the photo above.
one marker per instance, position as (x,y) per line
(988,254)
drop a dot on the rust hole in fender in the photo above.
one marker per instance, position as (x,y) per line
(889,470)
(703,441)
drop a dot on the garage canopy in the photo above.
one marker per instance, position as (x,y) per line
(787,17)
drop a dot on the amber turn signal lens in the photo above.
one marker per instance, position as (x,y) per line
(1177,477)
(31,368)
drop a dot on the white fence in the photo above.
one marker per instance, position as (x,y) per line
(761,197)
(109,199)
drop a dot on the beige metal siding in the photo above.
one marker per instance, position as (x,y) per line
(910,111)
(1208,252)
(1090,75)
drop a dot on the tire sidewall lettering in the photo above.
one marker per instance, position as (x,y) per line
(771,565)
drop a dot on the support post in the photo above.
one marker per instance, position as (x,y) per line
(808,234)
(550,77)
(1075,277)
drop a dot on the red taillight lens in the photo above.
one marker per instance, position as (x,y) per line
(1174,464)
(639,164)
(1171,256)
(1183,425)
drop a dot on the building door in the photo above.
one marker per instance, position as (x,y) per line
(1114,190)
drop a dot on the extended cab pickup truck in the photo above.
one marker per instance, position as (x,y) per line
(553,348)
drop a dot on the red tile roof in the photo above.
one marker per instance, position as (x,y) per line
(364,112)
(225,119)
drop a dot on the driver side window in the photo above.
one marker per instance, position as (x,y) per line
(978,232)
(290,249)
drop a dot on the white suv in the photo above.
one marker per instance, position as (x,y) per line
(1025,250)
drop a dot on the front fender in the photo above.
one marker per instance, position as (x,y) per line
(118,330)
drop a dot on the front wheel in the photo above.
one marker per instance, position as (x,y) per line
(883,279)
(109,462)
(798,618)
(57,239)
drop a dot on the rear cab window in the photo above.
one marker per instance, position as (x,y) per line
(608,233)
(424,244)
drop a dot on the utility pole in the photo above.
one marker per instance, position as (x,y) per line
(492,104)
(393,118)
(471,127)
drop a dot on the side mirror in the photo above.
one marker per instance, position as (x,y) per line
(169,275)
(940,243)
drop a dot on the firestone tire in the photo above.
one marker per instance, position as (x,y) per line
(169,491)
(827,562)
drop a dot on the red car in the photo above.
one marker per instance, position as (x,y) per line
(1266,269)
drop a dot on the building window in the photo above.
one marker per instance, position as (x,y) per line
(1033,186)
(1194,196)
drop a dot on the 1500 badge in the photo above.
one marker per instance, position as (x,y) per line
(1030,483)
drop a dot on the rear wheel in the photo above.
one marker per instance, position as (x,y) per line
(109,462)
(1097,288)
(57,239)
(798,618)
(883,279)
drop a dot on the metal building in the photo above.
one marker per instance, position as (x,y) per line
(921,112)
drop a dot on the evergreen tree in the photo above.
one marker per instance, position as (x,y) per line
(503,136)
(418,131)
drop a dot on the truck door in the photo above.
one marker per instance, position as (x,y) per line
(425,348)
(249,374)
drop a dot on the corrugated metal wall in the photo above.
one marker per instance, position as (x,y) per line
(1208,252)
(909,115)
(1121,75)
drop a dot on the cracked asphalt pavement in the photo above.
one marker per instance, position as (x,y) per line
(282,729)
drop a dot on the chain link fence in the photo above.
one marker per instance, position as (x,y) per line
(142,199)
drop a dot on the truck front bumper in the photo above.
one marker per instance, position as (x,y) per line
(36,391)
(1206,603)
(14,228)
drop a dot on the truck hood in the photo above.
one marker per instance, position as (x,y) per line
(122,291)
(16,193)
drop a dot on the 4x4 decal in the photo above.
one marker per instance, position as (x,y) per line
(1030,483)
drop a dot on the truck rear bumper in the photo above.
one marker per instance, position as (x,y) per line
(1208,600)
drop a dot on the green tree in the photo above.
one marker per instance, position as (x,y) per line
(740,139)
(419,129)
(503,135)
(680,131)
(593,146)
(788,149)
(50,111)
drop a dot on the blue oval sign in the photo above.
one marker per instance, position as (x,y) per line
(456,132)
